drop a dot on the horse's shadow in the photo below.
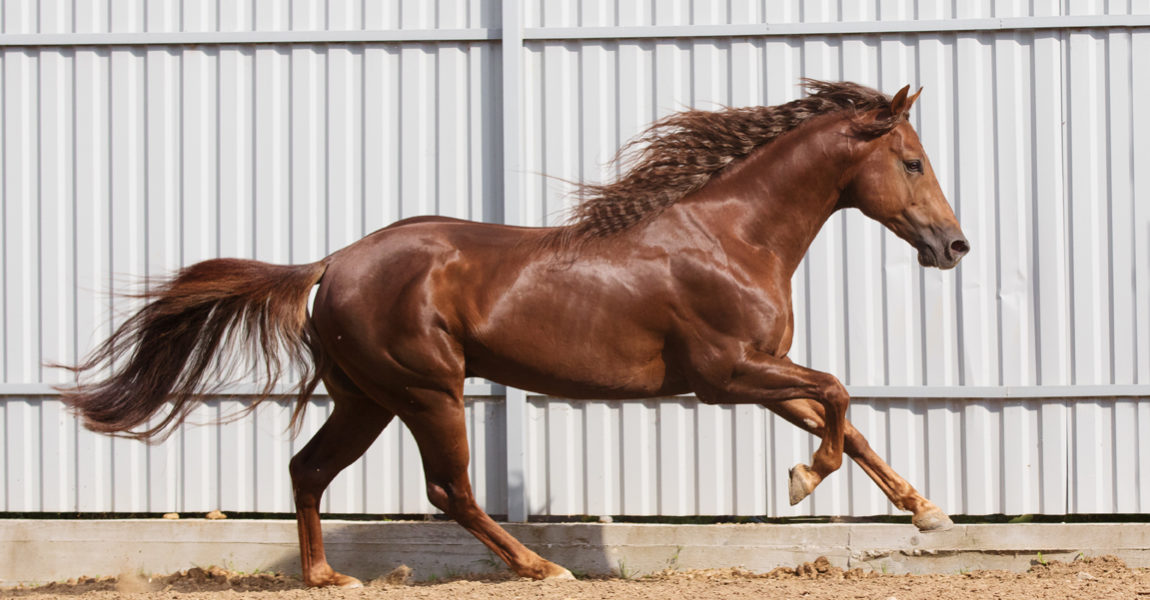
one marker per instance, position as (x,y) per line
(437,550)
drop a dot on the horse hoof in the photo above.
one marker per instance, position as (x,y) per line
(329,578)
(561,576)
(932,519)
(340,580)
(801,485)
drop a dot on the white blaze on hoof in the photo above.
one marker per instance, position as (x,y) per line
(802,483)
(562,576)
(932,519)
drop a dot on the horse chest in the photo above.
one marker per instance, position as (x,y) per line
(755,306)
(731,319)
(771,315)
(773,332)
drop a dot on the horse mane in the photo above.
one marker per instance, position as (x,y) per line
(680,153)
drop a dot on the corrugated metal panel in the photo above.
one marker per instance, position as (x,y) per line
(119,162)
(122,160)
(677,457)
(52,465)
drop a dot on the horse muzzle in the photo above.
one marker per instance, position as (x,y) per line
(943,251)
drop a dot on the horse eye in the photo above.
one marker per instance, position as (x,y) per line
(914,166)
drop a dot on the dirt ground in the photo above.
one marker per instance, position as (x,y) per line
(1100,577)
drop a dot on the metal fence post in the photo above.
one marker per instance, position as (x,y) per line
(515,405)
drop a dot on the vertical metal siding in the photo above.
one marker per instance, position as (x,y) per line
(123,160)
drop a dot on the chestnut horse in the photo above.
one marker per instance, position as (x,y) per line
(676,278)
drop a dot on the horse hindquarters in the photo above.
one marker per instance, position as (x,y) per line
(173,343)
(386,328)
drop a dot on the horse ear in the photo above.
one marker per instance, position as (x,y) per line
(910,101)
(898,104)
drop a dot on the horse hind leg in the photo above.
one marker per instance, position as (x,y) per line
(355,422)
(440,431)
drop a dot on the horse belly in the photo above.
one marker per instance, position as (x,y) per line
(583,384)
(625,365)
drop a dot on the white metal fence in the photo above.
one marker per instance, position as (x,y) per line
(137,137)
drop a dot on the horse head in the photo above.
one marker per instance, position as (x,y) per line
(894,184)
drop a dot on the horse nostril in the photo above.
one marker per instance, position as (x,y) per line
(959,247)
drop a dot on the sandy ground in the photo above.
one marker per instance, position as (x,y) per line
(1101,577)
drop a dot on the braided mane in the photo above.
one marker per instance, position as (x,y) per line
(680,153)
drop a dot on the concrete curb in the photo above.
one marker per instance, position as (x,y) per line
(34,550)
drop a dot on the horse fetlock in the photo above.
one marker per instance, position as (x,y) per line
(803,482)
(831,461)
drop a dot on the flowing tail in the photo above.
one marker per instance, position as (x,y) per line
(183,343)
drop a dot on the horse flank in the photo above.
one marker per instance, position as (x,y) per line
(680,153)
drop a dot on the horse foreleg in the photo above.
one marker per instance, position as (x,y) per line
(808,415)
(354,424)
(441,433)
(755,377)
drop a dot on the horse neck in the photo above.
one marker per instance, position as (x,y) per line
(781,195)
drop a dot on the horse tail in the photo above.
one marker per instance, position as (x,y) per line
(184,341)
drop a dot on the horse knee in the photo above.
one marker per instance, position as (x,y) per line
(835,398)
